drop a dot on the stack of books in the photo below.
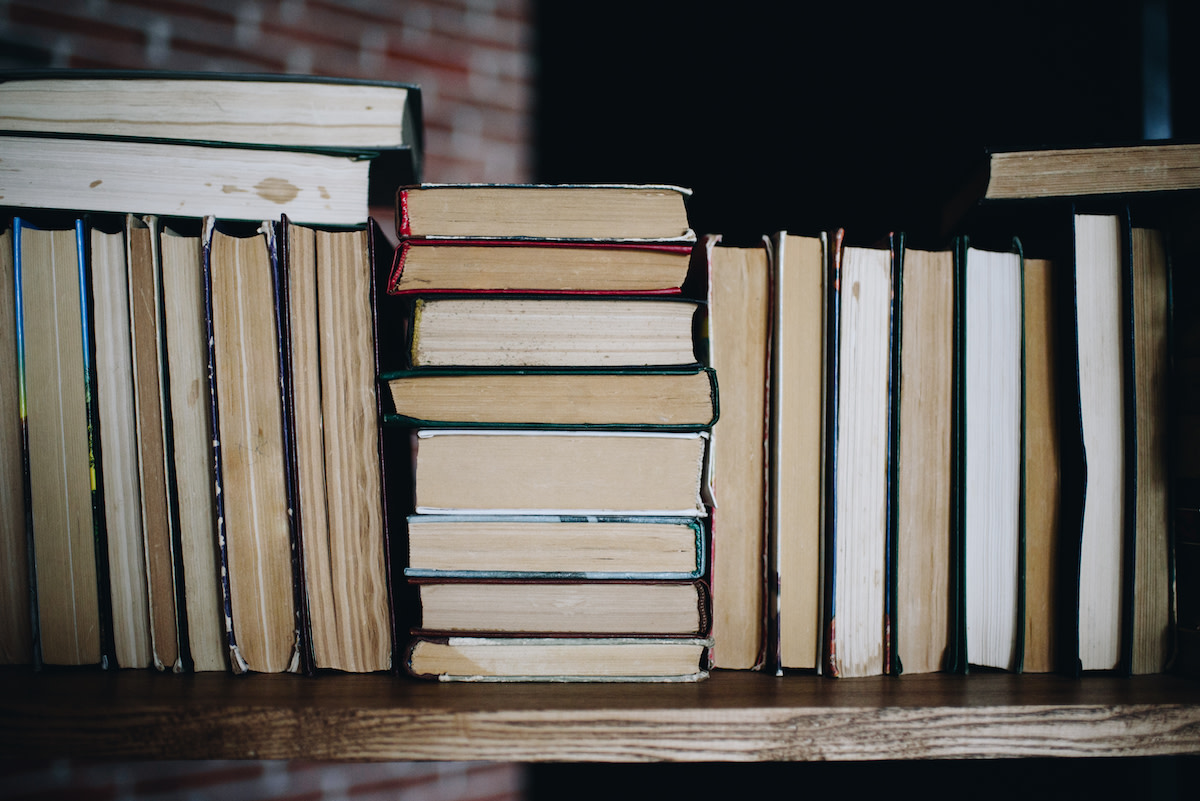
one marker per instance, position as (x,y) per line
(187,270)
(549,379)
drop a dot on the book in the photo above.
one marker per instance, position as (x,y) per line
(496,331)
(678,399)
(1149,644)
(989,441)
(739,310)
(191,441)
(796,459)
(254,525)
(1095,549)
(558,658)
(66,546)
(1041,474)
(150,384)
(270,109)
(335,414)
(601,212)
(16,636)
(380,118)
(555,546)
(1073,172)
(625,608)
(857,402)
(924,475)
(537,266)
(507,471)
(119,452)
(186,180)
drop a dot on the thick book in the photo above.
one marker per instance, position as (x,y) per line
(857,462)
(559,659)
(923,478)
(1161,167)
(555,546)
(678,399)
(271,110)
(1096,450)
(334,416)
(1041,478)
(519,332)
(797,431)
(988,622)
(119,455)
(538,266)
(522,471)
(254,521)
(160,530)
(66,540)
(192,441)
(47,171)
(739,313)
(578,212)
(16,636)
(563,608)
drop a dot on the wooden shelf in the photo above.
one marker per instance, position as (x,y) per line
(733,716)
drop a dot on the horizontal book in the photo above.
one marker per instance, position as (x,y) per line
(559,659)
(277,111)
(602,212)
(678,399)
(625,608)
(552,332)
(185,180)
(555,546)
(541,265)
(505,471)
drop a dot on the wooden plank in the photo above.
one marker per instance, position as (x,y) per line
(734,716)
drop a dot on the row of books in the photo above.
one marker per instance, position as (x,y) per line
(558,407)
(969,449)
(191,476)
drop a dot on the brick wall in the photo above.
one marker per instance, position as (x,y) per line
(472,58)
(473,61)
(256,781)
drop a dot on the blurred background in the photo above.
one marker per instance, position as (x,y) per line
(801,116)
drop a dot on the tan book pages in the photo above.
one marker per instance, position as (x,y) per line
(192,454)
(253,484)
(119,451)
(58,452)
(16,636)
(924,473)
(1042,467)
(740,312)
(797,387)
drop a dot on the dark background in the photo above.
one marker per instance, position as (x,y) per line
(865,115)
(810,116)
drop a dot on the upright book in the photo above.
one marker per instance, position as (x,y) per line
(66,543)
(858,375)
(16,636)
(254,523)
(797,460)
(923,477)
(739,310)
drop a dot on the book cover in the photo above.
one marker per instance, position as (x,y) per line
(66,543)
(250,453)
(592,548)
(274,110)
(558,659)
(531,266)
(856,622)
(680,399)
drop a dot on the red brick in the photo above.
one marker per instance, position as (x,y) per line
(198,776)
